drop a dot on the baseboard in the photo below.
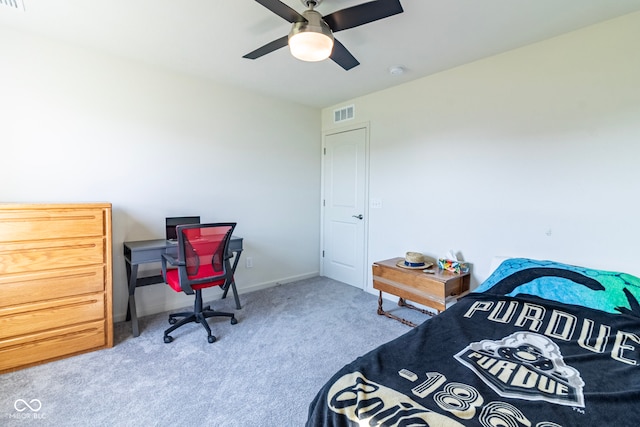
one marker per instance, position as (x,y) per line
(212,294)
(282,281)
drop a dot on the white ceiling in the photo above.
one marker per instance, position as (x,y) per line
(209,37)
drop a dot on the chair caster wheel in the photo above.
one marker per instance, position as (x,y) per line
(168,339)
(234,320)
(211,339)
(172,320)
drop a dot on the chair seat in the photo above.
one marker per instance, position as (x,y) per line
(173,278)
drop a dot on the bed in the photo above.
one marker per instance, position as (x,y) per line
(539,343)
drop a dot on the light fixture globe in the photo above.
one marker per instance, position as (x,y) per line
(311,40)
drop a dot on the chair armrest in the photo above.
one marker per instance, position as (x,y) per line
(171,260)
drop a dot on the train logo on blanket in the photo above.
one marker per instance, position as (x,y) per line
(525,365)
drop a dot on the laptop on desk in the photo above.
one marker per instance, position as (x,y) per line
(172,222)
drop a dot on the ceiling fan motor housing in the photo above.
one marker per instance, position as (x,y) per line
(313,28)
(314,24)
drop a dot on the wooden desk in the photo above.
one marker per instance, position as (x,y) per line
(149,251)
(434,290)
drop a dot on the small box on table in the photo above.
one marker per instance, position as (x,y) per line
(453,266)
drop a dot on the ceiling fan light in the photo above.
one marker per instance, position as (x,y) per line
(311,40)
(310,46)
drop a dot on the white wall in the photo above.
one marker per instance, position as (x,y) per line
(79,126)
(530,153)
(485,158)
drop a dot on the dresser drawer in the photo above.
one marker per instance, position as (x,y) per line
(25,288)
(51,314)
(49,345)
(40,255)
(37,224)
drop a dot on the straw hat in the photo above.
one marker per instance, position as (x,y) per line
(414,261)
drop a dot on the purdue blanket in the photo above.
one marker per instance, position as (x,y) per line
(538,344)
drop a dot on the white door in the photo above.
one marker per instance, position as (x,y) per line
(344,202)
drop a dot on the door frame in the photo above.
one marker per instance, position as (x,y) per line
(365,243)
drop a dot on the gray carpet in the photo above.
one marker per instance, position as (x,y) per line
(263,371)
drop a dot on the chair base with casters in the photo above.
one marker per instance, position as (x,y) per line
(198,315)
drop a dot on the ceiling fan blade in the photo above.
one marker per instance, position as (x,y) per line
(362,14)
(282,10)
(342,56)
(268,48)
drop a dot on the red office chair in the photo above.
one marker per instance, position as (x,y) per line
(203,262)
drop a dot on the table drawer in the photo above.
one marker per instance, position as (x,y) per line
(25,288)
(40,255)
(36,224)
(48,345)
(39,316)
(455,287)
(403,291)
(419,282)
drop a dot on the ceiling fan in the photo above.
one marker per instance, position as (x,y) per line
(311,36)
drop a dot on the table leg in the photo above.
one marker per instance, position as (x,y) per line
(235,293)
(403,303)
(127,267)
(392,316)
(232,284)
(380,310)
(132,277)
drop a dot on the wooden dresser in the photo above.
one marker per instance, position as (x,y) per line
(55,282)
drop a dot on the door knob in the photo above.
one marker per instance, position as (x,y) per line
(358,216)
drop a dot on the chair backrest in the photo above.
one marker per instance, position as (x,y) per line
(205,250)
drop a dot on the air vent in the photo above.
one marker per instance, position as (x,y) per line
(16,4)
(343,114)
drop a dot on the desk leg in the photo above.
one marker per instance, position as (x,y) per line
(132,277)
(235,292)
(127,267)
(233,281)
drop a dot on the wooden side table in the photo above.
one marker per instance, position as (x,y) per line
(433,290)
